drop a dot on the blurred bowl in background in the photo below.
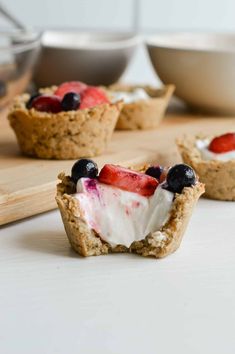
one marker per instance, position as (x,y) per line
(201,66)
(95,58)
(18,54)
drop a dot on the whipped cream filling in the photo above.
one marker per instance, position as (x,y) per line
(121,217)
(202,146)
(130,97)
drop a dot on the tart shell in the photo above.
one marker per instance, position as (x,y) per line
(64,135)
(143,114)
(159,244)
(218,176)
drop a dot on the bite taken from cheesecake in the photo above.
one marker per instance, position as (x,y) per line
(124,210)
(213,159)
(65,122)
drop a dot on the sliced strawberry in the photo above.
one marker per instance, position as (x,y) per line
(71,86)
(223,143)
(128,180)
(92,96)
(47,103)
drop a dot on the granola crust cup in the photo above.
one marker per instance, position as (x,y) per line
(218,176)
(87,242)
(64,135)
(143,114)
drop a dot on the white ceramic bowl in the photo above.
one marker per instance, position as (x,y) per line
(201,66)
(95,58)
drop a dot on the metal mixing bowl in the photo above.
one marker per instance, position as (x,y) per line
(95,58)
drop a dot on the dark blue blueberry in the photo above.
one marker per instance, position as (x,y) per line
(84,168)
(154,171)
(30,101)
(71,101)
(180,176)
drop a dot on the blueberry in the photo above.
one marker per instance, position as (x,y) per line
(154,171)
(71,101)
(180,176)
(84,168)
(30,101)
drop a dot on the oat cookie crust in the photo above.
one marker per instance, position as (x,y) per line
(143,114)
(65,135)
(159,244)
(218,176)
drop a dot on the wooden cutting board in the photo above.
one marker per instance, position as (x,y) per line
(27,185)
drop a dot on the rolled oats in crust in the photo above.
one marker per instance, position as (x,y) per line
(143,114)
(65,135)
(159,244)
(218,176)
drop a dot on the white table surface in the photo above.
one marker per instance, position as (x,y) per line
(55,302)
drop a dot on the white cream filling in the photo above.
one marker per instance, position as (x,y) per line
(202,146)
(130,97)
(121,217)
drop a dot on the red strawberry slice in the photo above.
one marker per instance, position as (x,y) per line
(128,180)
(71,86)
(47,103)
(223,143)
(92,96)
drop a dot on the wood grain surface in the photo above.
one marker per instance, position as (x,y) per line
(27,185)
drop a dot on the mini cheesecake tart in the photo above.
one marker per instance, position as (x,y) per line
(144,106)
(62,123)
(122,210)
(213,159)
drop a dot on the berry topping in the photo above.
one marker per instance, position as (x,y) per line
(128,180)
(223,143)
(30,101)
(154,171)
(180,176)
(70,101)
(84,168)
(72,86)
(47,103)
(92,96)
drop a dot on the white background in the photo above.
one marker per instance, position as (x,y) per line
(118,14)
(146,16)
